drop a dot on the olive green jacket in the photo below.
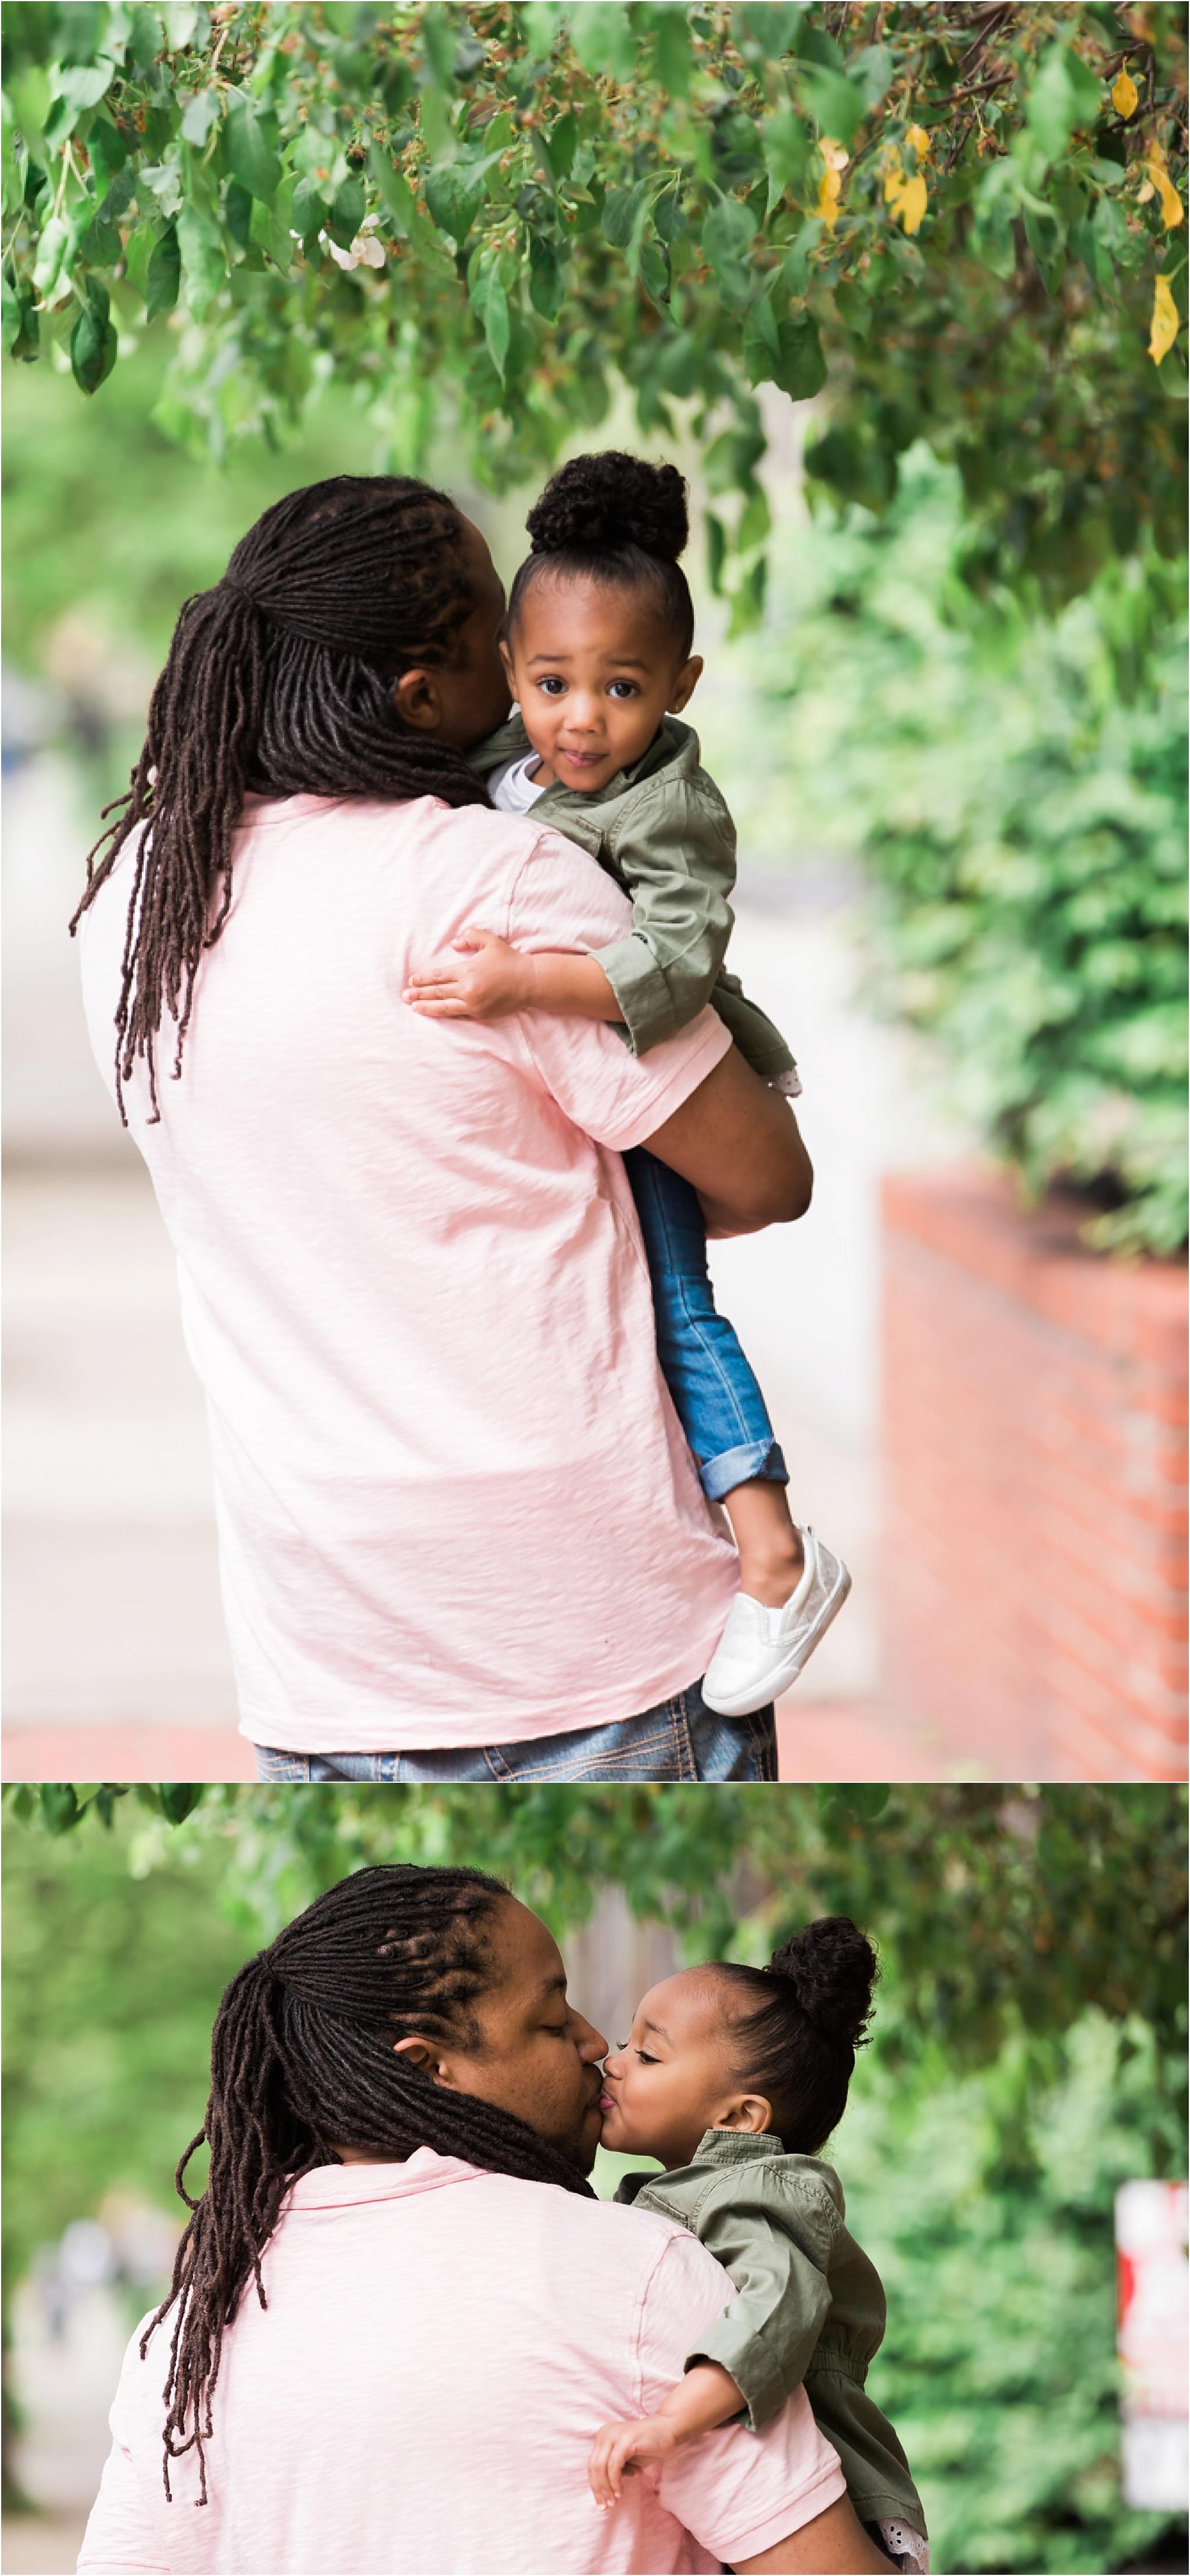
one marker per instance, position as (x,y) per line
(809,2309)
(662,830)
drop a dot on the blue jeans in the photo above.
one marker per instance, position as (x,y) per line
(681,1740)
(716,1397)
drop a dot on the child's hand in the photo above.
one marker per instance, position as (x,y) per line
(618,2450)
(496,979)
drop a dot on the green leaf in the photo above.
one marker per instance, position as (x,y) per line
(93,343)
(786,143)
(601,34)
(497,323)
(854,310)
(547,279)
(178,1800)
(795,267)
(250,156)
(655,274)
(204,265)
(394,188)
(11,312)
(454,198)
(771,26)
(348,207)
(996,205)
(60,1808)
(28,94)
(861,1800)
(81,86)
(310,210)
(441,44)
(672,57)
(727,232)
(796,364)
(164,276)
(716,535)
(200,113)
(51,251)
(871,72)
(1063,95)
(621,207)
(107,153)
(836,107)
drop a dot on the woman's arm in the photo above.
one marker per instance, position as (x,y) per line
(738,1141)
(834,2544)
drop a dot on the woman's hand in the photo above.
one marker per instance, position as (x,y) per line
(495,980)
(618,2449)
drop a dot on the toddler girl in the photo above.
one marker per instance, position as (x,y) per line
(597,648)
(733,2077)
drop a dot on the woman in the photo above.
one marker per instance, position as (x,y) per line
(386,2344)
(460,1533)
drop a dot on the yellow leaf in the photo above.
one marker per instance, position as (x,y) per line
(907,197)
(917,136)
(1172,209)
(833,154)
(1124,95)
(1164,329)
(829,187)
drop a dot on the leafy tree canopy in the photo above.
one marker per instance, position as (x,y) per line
(1007,1911)
(963,222)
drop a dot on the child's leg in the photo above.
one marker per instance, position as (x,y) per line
(715,1393)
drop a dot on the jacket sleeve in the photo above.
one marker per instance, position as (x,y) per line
(676,855)
(768,2334)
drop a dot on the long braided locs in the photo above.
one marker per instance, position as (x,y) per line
(303,2062)
(278,682)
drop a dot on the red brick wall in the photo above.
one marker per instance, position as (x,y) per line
(1035,1489)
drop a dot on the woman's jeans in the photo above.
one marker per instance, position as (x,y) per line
(681,1740)
(716,1397)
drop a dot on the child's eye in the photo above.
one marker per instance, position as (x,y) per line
(645,2058)
(624,689)
(552,685)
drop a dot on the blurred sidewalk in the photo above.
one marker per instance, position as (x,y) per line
(116,1662)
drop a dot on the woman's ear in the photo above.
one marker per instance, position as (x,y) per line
(418,701)
(685,685)
(422,2053)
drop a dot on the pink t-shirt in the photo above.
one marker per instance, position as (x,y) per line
(420,2395)
(455,1505)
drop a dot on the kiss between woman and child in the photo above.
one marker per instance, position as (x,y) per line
(596,646)
(732,2079)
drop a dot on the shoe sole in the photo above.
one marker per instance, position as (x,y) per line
(787,1672)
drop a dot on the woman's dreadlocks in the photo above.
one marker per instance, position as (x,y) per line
(303,2062)
(279,681)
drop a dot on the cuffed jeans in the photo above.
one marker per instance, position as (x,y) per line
(716,1397)
(680,1740)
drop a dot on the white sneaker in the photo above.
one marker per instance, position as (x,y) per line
(762,1651)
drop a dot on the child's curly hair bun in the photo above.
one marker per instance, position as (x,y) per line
(832,1968)
(609,501)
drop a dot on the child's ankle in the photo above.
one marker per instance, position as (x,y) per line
(770,1571)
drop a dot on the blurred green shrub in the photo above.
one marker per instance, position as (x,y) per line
(1016,792)
(993,2235)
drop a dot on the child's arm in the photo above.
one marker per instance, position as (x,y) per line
(705,2397)
(497,979)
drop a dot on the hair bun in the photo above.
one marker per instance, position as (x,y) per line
(832,1968)
(612,500)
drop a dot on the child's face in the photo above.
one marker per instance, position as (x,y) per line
(673,2078)
(595,671)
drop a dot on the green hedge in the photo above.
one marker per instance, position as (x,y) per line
(1015,790)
